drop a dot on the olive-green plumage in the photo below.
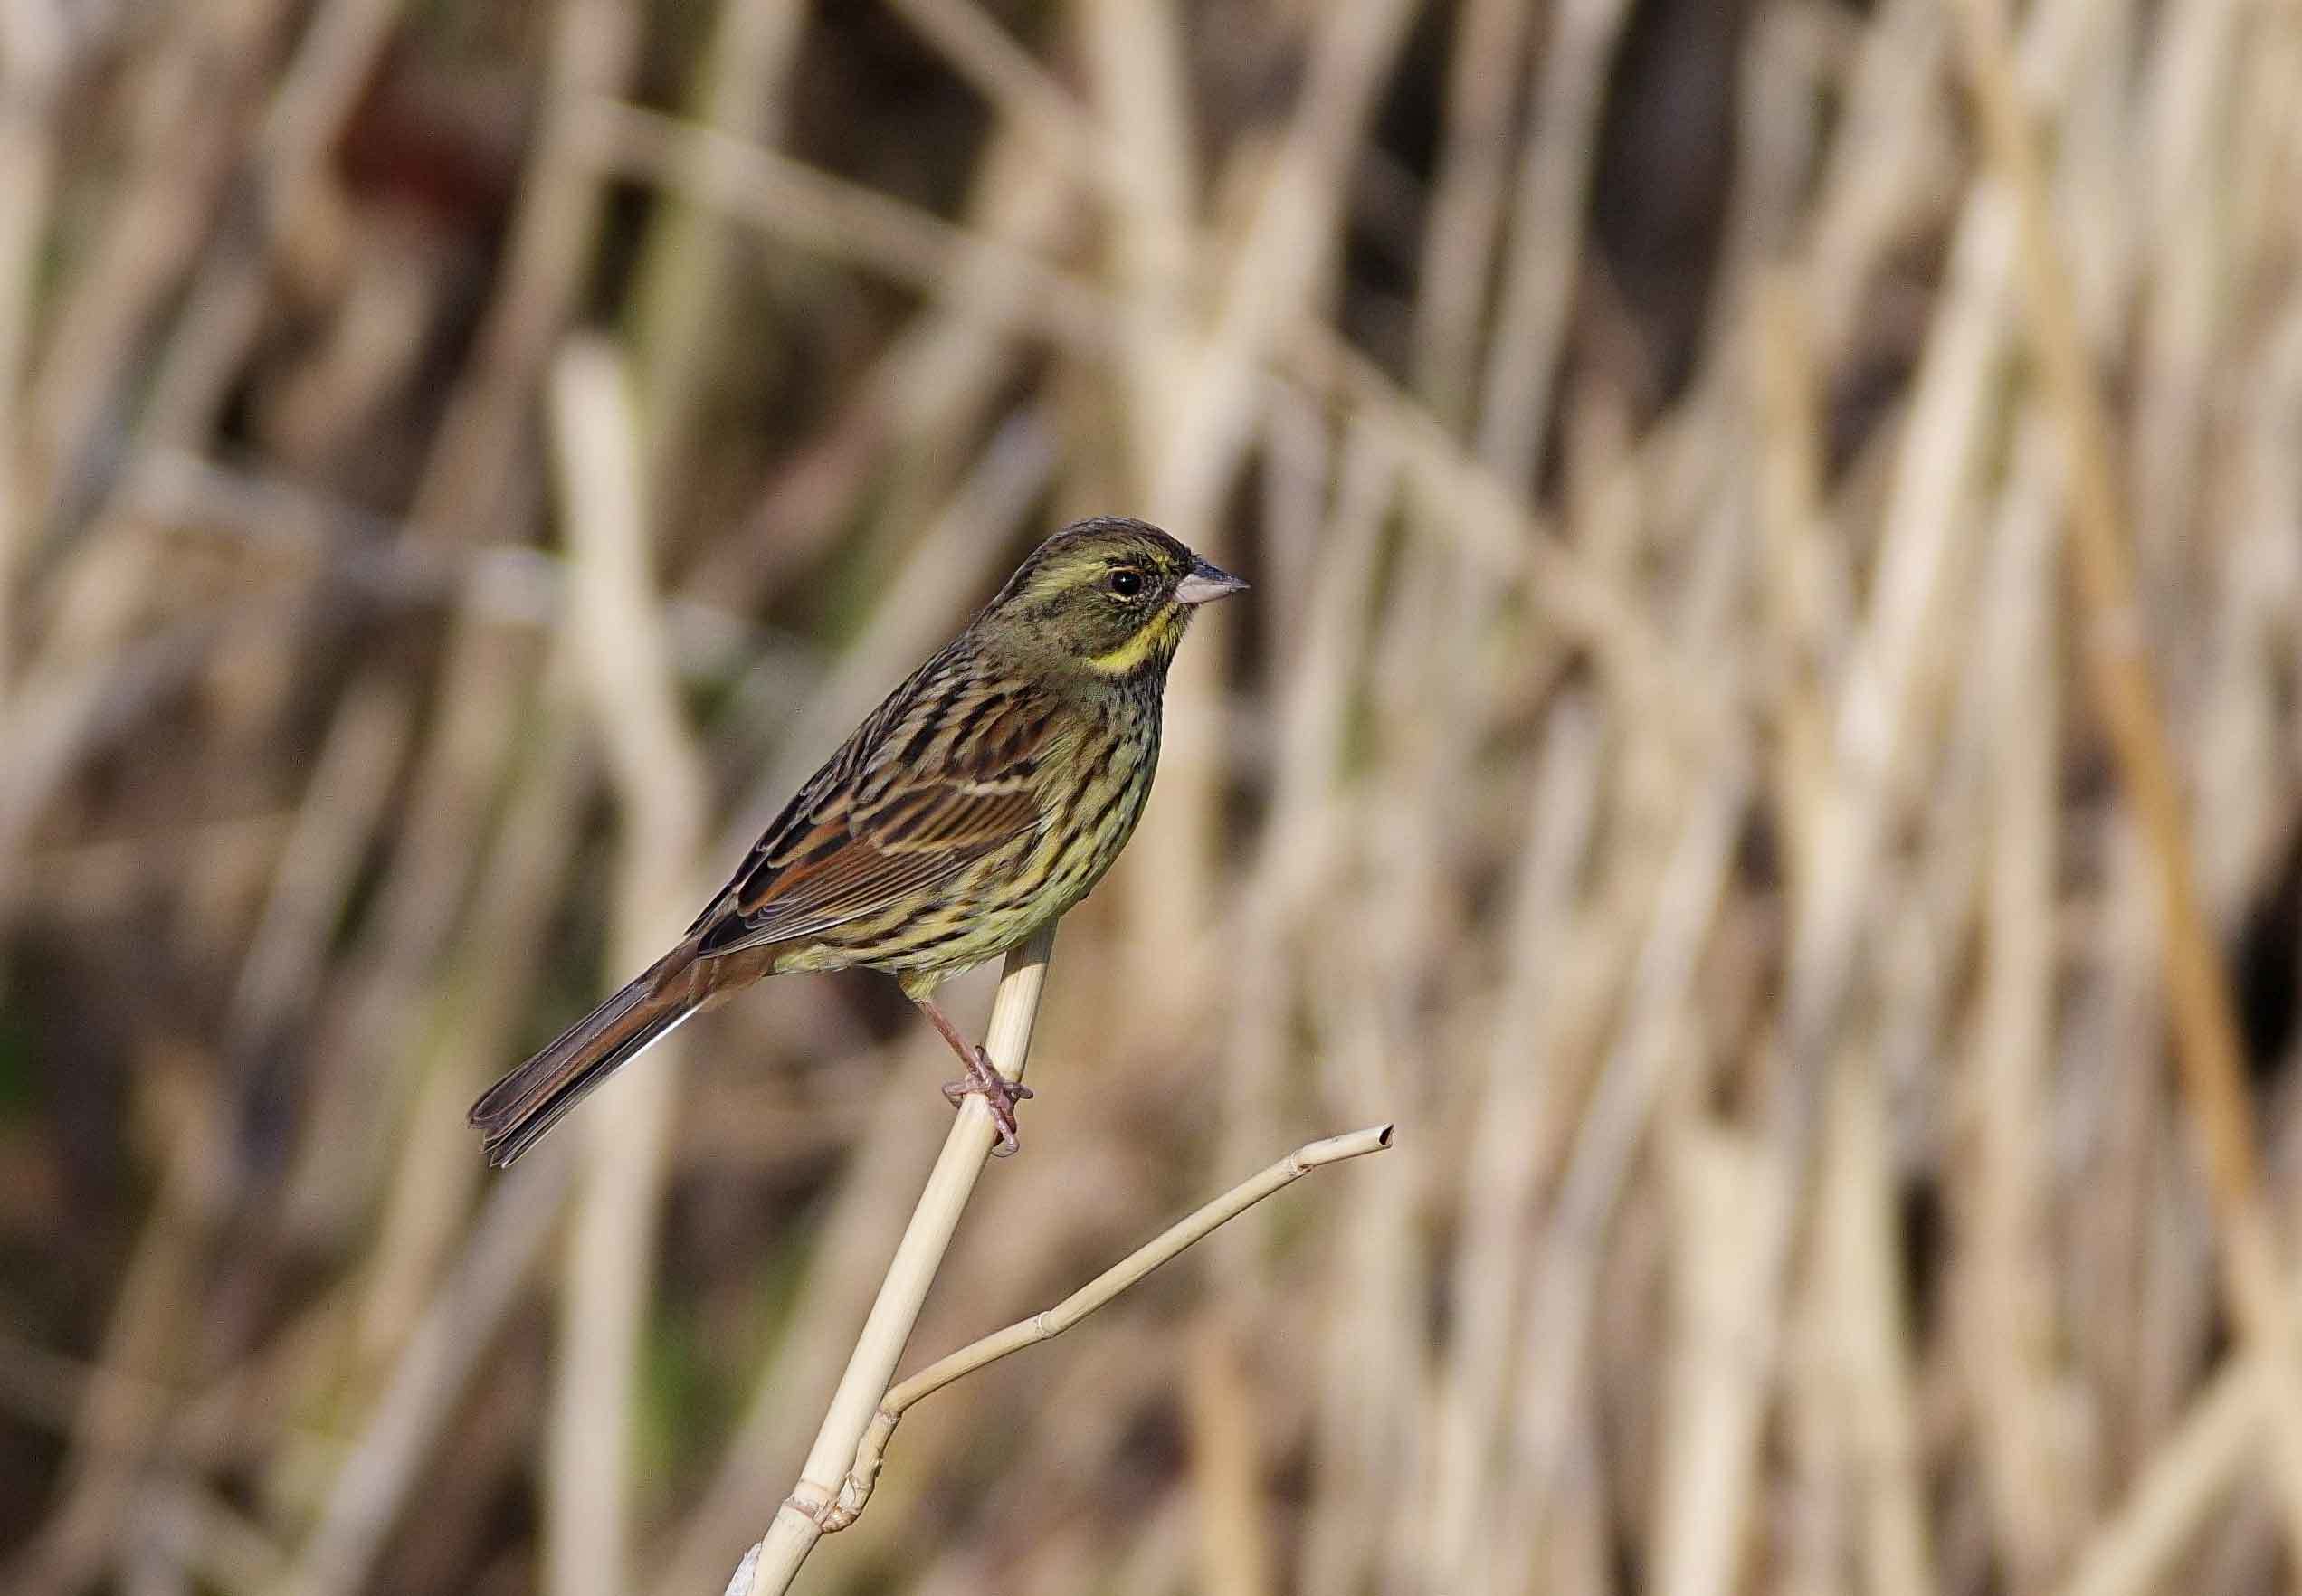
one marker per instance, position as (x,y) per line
(987,795)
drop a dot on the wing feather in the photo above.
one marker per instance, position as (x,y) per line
(943,774)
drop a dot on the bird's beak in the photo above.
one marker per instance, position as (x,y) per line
(1206,583)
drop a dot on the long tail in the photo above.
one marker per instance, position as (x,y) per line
(524,1104)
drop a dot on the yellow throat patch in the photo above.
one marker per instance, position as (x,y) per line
(1156,634)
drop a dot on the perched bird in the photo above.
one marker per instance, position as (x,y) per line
(983,799)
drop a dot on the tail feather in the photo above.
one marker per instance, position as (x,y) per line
(521,1107)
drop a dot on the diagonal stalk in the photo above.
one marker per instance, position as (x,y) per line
(774,1562)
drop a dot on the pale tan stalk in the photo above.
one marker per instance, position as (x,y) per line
(2011,1326)
(1545,260)
(336,825)
(1873,740)
(429,1192)
(336,56)
(1467,202)
(192,1532)
(1135,51)
(811,207)
(1159,1563)
(113,1432)
(2187,142)
(1862,1318)
(855,1489)
(34,50)
(861,1224)
(2236,743)
(2187,1481)
(1724,1191)
(1363,1451)
(793,200)
(962,366)
(314,872)
(466,479)
(265,515)
(1282,263)
(1503,539)
(622,659)
(1884,171)
(1555,1342)
(1577,1558)
(1891,662)
(466,494)
(1802,588)
(185,102)
(1374,1443)
(741,87)
(1279,886)
(937,383)
(773,1562)
(1535,1024)
(365,1498)
(1000,282)
(1907,1287)
(1227,1464)
(2116,657)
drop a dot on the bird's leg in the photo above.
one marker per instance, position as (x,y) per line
(983,1079)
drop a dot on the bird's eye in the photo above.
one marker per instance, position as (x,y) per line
(1127,583)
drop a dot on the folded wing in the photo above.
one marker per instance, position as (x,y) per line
(945,774)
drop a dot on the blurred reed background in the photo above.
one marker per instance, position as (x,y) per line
(461,466)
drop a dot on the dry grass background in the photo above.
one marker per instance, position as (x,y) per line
(1834,977)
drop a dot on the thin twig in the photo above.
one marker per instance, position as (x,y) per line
(773,1562)
(855,1490)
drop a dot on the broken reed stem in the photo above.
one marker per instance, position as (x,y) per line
(773,1562)
(836,1481)
(855,1491)
(2117,660)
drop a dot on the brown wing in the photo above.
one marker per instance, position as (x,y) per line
(942,773)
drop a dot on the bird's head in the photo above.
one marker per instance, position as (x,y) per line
(1109,596)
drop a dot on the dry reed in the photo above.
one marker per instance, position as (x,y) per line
(1835,977)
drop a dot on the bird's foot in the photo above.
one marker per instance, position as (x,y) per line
(998,1093)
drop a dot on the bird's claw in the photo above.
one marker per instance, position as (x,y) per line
(999,1094)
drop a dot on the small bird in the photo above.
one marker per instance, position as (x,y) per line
(985,797)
